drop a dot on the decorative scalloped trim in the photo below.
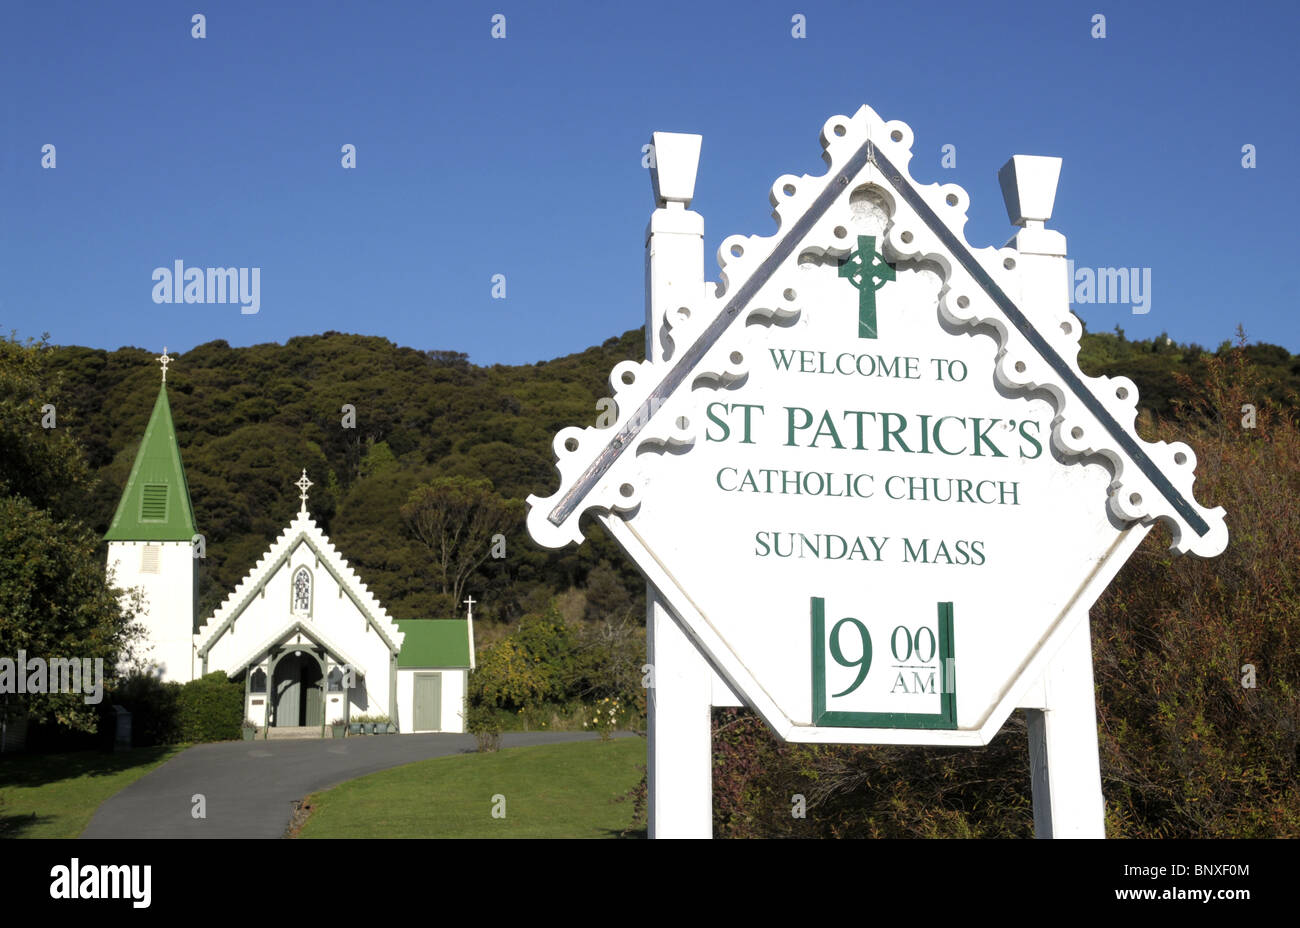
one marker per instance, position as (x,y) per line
(669,422)
(303,528)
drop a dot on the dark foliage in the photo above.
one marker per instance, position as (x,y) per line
(153,707)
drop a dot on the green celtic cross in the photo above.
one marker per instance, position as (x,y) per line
(867,271)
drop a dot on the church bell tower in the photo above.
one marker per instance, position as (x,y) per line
(150,545)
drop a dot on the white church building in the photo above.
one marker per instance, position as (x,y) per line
(310,642)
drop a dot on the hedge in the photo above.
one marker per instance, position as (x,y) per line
(210,708)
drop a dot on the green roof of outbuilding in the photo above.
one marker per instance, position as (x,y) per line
(434,643)
(155,505)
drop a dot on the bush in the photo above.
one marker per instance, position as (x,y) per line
(210,708)
(1198,661)
(609,661)
(484,724)
(152,704)
(530,667)
(874,791)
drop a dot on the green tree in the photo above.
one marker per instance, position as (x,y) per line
(456,518)
(55,601)
(42,461)
(55,604)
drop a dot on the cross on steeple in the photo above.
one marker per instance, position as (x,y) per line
(164,359)
(867,271)
(469,603)
(303,484)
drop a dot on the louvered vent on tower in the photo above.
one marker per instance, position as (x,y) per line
(153,502)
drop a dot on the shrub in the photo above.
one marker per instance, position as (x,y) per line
(606,716)
(485,725)
(210,708)
(532,666)
(1198,661)
(610,661)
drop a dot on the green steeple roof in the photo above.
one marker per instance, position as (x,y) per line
(155,505)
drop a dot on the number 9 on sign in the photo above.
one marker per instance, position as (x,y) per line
(863,663)
(887,700)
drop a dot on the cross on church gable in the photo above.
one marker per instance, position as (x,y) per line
(303,485)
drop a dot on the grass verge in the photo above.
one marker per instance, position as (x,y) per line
(572,790)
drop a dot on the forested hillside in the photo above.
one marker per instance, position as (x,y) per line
(250,419)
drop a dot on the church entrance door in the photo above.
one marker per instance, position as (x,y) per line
(298,698)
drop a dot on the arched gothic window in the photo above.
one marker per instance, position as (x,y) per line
(302,591)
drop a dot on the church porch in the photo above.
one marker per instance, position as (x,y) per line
(300,684)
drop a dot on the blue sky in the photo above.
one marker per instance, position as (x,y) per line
(522,156)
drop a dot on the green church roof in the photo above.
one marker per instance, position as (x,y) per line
(155,505)
(434,643)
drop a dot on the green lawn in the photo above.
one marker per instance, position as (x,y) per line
(55,795)
(551,791)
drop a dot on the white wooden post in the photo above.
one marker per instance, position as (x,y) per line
(1063,752)
(1061,707)
(680,762)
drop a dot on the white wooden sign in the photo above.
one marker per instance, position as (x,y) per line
(864,474)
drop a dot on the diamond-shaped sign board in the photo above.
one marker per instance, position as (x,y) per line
(865,471)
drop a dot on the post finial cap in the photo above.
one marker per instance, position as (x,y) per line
(673,168)
(1029,188)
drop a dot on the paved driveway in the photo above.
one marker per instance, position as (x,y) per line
(250,786)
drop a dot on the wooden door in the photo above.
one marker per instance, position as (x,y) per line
(428,702)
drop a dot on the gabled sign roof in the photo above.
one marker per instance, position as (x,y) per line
(1095,415)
